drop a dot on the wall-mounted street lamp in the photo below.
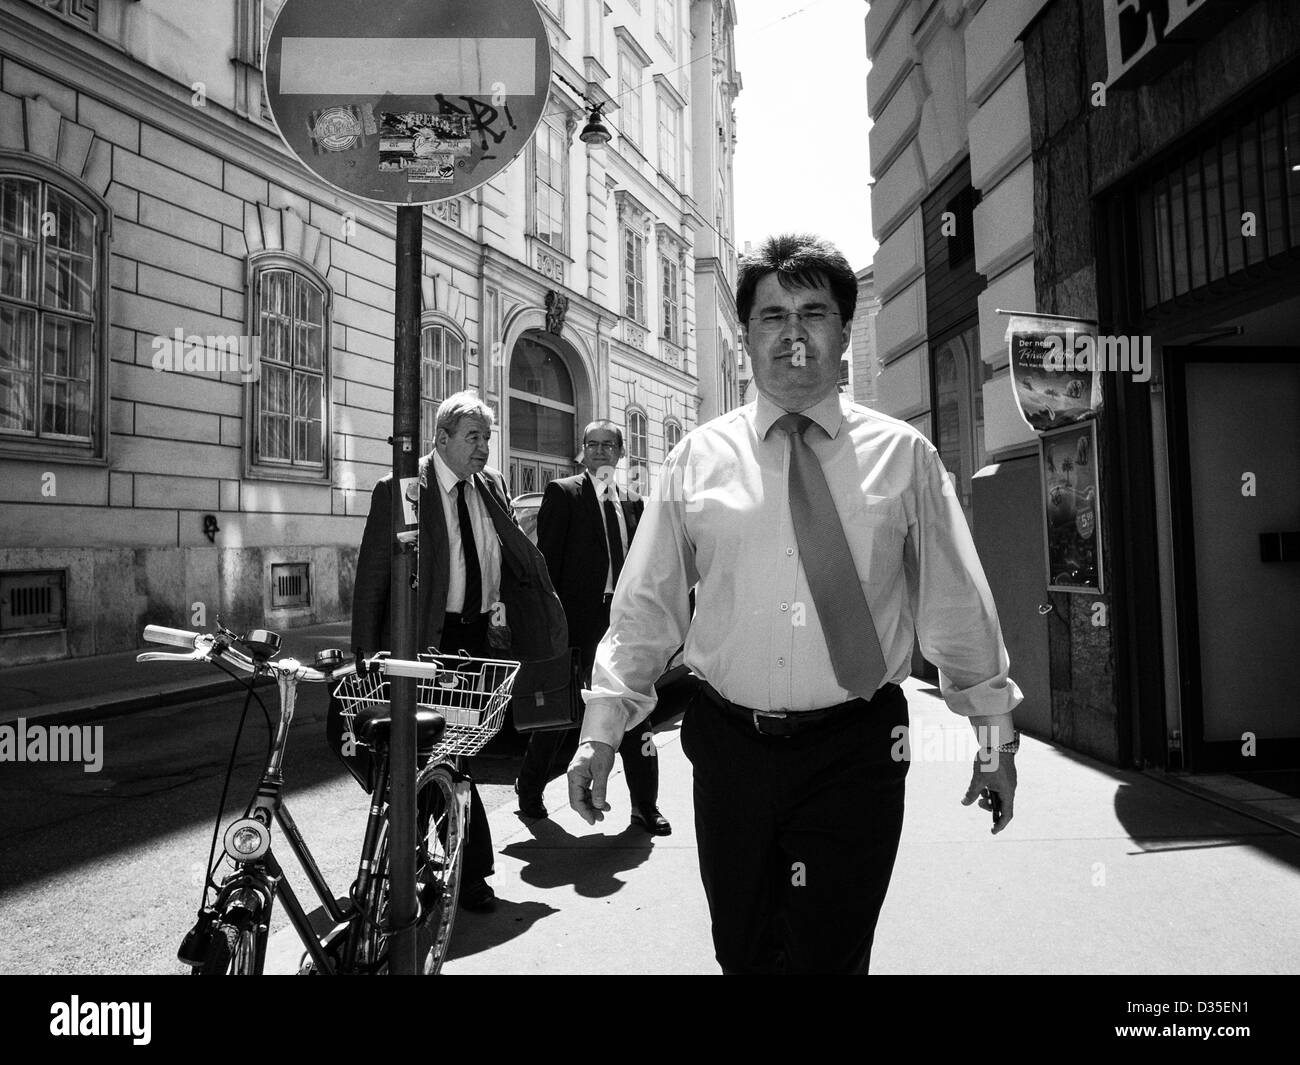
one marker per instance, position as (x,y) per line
(595,132)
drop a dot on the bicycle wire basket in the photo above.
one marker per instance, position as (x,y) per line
(470,693)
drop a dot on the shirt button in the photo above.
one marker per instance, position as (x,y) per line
(785,607)
(781,662)
(789,550)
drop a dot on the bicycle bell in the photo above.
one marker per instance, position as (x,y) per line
(263,643)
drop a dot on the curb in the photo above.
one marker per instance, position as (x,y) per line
(116,705)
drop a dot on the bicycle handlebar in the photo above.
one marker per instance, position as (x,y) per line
(393,667)
(173,637)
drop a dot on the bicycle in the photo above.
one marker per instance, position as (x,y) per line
(460,705)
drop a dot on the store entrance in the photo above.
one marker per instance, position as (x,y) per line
(1237,546)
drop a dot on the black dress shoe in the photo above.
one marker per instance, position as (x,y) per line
(531,805)
(478,898)
(652,821)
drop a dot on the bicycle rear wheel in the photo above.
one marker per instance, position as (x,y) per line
(232,951)
(440,827)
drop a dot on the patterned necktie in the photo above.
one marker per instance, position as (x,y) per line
(473,574)
(827,562)
(613,538)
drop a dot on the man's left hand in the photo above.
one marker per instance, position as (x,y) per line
(994,775)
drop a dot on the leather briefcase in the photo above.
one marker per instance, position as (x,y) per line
(547,695)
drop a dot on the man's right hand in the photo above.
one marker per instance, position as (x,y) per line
(588,775)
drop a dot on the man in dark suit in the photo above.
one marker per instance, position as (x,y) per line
(584,529)
(474,563)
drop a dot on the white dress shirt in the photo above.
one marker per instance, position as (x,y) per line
(485,540)
(720,516)
(609,489)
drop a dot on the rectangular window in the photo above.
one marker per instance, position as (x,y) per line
(670,120)
(552,161)
(290,394)
(629,94)
(666,24)
(633,275)
(670,274)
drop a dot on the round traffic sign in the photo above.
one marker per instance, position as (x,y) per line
(407,101)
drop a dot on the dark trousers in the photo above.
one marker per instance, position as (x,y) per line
(796,835)
(472,638)
(548,753)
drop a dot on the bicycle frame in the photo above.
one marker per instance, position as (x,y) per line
(258,880)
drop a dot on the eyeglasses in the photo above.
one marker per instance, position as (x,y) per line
(607,446)
(773,321)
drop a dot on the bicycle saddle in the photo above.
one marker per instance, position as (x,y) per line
(373,724)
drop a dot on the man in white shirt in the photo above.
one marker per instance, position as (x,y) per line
(820,538)
(584,529)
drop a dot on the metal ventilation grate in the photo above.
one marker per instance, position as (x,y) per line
(33,600)
(290,584)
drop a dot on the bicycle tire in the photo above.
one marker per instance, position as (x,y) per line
(440,830)
(232,951)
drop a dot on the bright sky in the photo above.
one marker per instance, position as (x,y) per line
(801,123)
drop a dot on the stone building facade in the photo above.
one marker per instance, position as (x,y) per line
(195,393)
(1074,157)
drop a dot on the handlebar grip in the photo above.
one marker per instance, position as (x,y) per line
(174,637)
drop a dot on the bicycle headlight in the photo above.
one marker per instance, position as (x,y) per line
(247,840)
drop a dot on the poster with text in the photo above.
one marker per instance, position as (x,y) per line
(1050,391)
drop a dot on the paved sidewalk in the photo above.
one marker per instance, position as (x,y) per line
(1102,871)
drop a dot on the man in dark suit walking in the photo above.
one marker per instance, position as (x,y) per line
(584,528)
(473,558)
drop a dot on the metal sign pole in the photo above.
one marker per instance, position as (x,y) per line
(404,596)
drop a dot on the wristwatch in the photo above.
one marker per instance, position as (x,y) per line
(1012,747)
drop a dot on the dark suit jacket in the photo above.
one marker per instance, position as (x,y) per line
(571,536)
(533,612)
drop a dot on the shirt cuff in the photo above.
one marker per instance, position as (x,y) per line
(605,721)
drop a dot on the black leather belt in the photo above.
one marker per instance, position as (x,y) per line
(789,722)
(463,619)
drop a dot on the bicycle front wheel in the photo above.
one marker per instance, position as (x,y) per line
(232,951)
(440,829)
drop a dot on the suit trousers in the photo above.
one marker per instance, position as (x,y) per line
(472,638)
(796,835)
(549,752)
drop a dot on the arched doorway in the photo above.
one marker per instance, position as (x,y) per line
(543,414)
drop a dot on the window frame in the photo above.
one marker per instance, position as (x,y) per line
(562,161)
(255,467)
(670,167)
(631,93)
(667,39)
(671,324)
(671,423)
(639,278)
(431,320)
(637,458)
(19,444)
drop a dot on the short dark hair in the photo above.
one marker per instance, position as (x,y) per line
(799,260)
(603,423)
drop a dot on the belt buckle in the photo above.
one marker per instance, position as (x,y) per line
(760,716)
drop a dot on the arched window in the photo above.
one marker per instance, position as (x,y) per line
(543,415)
(51,315)
(442,372)
(672,433)
(638,451)
(290,399)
